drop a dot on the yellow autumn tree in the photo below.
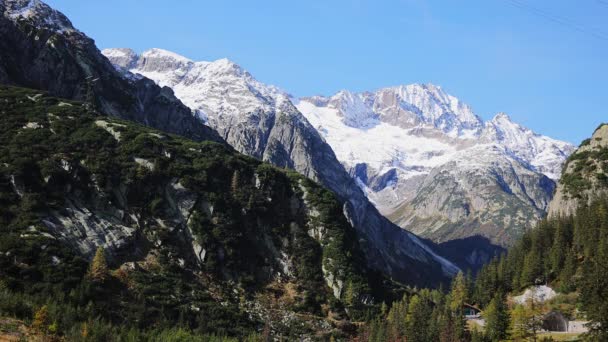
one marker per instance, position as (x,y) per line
(98,271)
(235,183)
(41,319)
(84,330)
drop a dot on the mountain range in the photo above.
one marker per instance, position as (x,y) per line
(148,196)
(261,121)
(421,156)
(434,167)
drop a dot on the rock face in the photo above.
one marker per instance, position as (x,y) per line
(261,121)
(163,206)
(585,175)
(478,192)
(434,167)
(41,49)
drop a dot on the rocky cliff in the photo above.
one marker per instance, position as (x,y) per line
(41,49)
(585,175)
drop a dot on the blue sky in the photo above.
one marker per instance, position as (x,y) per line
(543,62)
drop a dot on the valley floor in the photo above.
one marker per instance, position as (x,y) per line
(561,336)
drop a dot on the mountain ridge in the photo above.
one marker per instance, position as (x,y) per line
(423,119)
(41,49)
(261,121)
(412,134)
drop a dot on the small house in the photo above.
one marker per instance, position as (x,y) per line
(471,311)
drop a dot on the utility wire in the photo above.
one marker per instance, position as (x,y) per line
(559,20)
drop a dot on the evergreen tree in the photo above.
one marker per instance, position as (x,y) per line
(519,323)
(497,319)
(418,318)
(532,267)
(534,317)
(395,320)
(350,296)
(558,248)
(594,289)
(458,297)
(568,271)
(458,294)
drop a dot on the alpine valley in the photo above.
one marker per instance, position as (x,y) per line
(150,197)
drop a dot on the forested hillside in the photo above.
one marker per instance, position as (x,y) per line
(560,266)
(569,253)
(111,230)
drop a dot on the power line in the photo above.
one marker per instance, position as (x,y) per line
(556,19)
(559,20)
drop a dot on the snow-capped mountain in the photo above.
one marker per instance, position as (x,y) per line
(399,142)
(542,153)
(261,121)
(220,92)
(38,14)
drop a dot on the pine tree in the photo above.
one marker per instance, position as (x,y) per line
(418,318)
(594,287)
(532,267)
(534,317)
(568,271)
(458,294)
(395,320)
(559,248)
(98,271)
(458,297)
(496,315)
(519,323)
(350,297)
(377,331)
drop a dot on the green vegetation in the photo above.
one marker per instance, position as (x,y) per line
(425,315)
(570,254)
(586,169)
(497,318)
(251,219)
(229,248)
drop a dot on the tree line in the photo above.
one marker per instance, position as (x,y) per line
(567,253)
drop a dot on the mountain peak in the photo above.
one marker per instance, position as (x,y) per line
(502,116)
(212,88)
(226,66)
(122,57)
(353,109)
(37,13)
(161,53)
